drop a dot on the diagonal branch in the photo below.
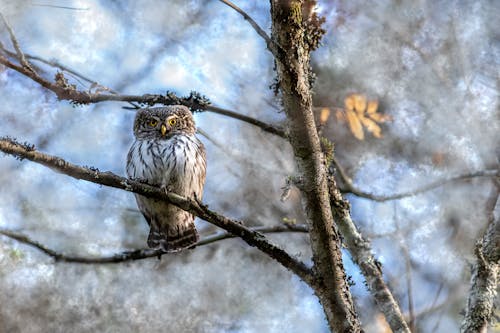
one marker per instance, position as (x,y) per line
(252,238)
(140,253)
(15,43)
(271,45)
(362,255)
(195,101)
(262,125)
(485,271)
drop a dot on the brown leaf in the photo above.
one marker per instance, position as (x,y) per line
(355,125)
(371,126)
(372,107)
(324,115)
(380,118)
(349,102)
(359,103)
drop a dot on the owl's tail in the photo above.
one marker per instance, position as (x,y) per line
(173,238)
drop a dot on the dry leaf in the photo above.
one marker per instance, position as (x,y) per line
(349,102)
(371,126)
(362,113)
(324,115)
(379,118)
(372,107)
(359,103)
(355,125)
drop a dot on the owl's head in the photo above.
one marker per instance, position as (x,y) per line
(163,122)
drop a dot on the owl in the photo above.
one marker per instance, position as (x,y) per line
(167,153)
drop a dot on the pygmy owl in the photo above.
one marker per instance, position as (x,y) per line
(167,153)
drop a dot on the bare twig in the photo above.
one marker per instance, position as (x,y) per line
(15,43)
(271,45)
(194,101)
(343,175)
(349,188)
(59,7)
(253,238)
(408,275)
(139,253)
(262,125)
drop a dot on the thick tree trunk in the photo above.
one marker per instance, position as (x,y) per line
(293,70)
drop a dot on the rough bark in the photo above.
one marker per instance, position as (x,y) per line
(293,70)
(484,274)
(362,255)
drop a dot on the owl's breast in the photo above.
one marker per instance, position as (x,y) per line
(178,163)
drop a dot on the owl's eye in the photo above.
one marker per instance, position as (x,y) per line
(172,121)
(153,122)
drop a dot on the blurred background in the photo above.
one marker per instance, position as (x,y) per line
(431,66)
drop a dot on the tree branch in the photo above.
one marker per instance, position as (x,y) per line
(195,101)
(262,125)
(253,238)
(15,43)
(272,46)
(139,253)
(484,280)
(362,255)
(199,103)
(293,71)
(350,188)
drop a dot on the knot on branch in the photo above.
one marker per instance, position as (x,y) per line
(65,90)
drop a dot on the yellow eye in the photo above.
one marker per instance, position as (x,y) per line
(153,122)
(172,121)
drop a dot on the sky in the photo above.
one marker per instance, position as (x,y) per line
(433,67)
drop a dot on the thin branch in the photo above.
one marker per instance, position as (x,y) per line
(15,43)
(253,238)
(199,103)
(408,274)
(58,7)
(264,126)
(271,45)
(362,255)
(139,253)
(349,188)
(196,102)
(346,180)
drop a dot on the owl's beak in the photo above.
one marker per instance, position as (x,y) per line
(163,129)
